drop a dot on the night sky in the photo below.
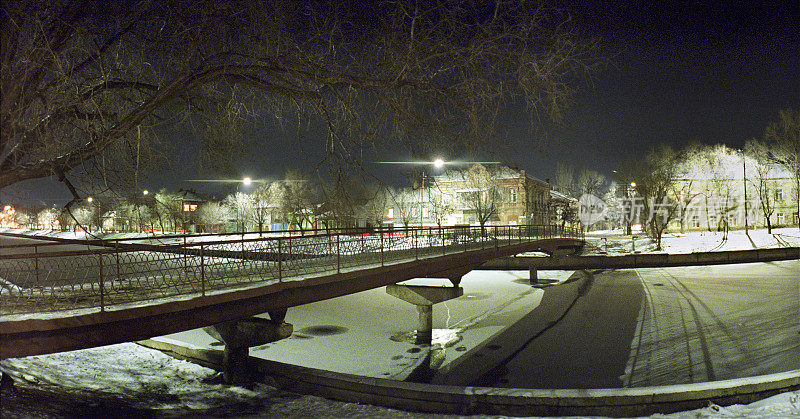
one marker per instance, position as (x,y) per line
(707,71)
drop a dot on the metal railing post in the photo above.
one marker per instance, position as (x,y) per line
(495,239)
(116,254)
(381,247)
(202,271)
(102,285)
(416,244)
(36,262)
(338,255)
(185,254)
(280,261)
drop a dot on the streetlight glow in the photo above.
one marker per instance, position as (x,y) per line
(438,163)
(247,181)
(633,184)
(89,199)
(145,192)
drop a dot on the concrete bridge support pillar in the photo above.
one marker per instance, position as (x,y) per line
(239,335)
(534,277)
(424,297)
(424,323)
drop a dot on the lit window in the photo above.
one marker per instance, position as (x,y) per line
(425,211)
(512,195)
(390,214)
(781,218)
(414,212)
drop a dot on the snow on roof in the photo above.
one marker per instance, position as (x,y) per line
(554,194)
(498,171)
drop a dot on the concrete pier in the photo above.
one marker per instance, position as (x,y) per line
(424,297)
(239,335)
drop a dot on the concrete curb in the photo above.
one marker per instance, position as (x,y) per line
(645,260)
(503,401)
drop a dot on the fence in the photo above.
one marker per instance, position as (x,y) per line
(113,274)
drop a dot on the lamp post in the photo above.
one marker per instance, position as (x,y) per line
(629,192)
(744,185)
(437,163)
(246,181)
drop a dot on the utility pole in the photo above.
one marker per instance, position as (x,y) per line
(744,183)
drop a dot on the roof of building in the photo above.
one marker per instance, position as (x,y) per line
(498,171)
(554,194)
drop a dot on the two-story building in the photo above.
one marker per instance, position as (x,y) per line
(498,193)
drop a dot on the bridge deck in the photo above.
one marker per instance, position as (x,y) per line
(119,292)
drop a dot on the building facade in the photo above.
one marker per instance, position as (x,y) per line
(494,194)
(742,194)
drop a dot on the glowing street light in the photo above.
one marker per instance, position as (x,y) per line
(438,163)
(145,192)
(89,199)
(247,181)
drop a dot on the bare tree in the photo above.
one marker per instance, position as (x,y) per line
(761,178)
(262,206)
(241,206)
(443,206)
(87,85)
(692,169)
(297,199)
(565,179)
(212,213)
(783,139)
(406,201)
(590,182)
(656,174)
(483,195)
(722,191)
(375,208)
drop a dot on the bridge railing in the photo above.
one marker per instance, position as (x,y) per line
(114,274)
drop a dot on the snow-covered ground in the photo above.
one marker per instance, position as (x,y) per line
(615,243)
(129,380)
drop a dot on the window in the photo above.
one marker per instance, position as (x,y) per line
(390,213)
(189,207)
(732,220)
(414,211)
(695,221)
(778,194)
(781,219)
(512,195)
(425,211)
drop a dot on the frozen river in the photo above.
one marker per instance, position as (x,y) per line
(624,328)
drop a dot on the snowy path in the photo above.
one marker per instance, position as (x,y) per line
(716,323)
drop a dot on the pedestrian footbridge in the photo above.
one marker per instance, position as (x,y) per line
(63,296)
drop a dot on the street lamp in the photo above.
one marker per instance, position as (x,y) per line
(630,192)
(744,184)
(437,163)
(145,192)
(246,181)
